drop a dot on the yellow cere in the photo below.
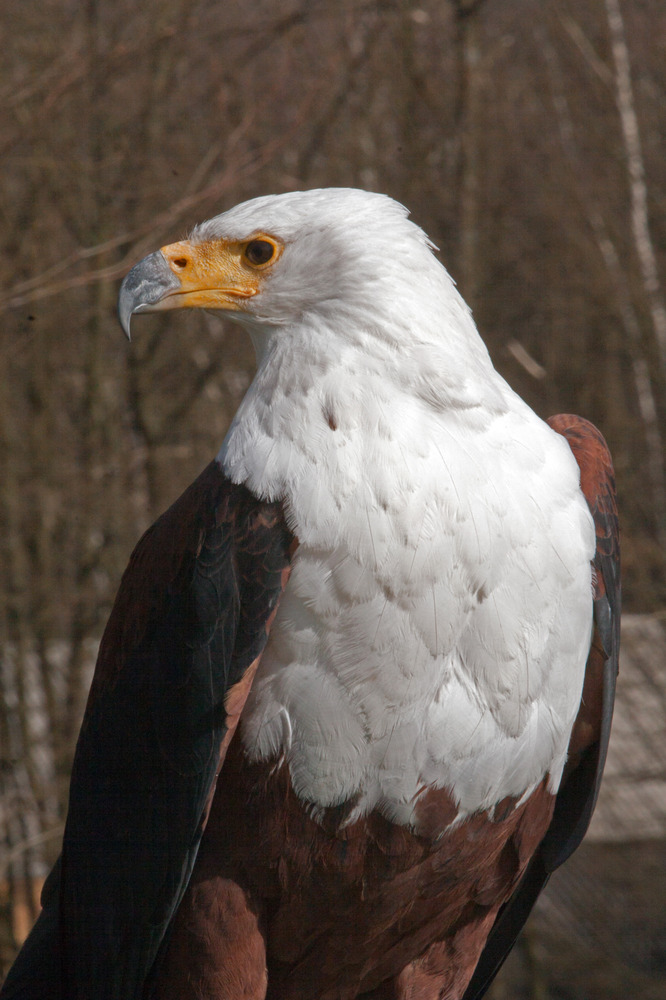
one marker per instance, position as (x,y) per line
(216,274)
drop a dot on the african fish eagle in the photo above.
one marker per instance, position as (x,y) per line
(400,586)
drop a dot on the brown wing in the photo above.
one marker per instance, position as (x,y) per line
(175,665)
(578,792)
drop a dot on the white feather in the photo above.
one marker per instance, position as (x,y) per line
(437,621)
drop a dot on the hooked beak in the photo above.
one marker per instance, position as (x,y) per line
(146,285)
(186,275)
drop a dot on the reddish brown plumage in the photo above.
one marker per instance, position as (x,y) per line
(597,481)
(343,911)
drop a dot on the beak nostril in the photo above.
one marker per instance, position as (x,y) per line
(180,262)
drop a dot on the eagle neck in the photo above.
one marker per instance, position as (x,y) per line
(329,387)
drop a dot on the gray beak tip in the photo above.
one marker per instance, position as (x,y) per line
(125,319)
(149,281)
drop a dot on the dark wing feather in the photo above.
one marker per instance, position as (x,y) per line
(190,620)
(578,792)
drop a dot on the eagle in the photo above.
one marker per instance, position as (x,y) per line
(352,703)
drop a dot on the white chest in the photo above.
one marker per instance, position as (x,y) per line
(437,621)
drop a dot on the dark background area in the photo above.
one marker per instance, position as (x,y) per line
(528,137)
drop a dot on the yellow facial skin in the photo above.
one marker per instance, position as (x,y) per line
(218,274)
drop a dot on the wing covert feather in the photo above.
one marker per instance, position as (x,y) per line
(191,616)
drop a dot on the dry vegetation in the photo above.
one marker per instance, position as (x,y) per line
(526,136)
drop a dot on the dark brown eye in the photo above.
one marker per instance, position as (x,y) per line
(259,252)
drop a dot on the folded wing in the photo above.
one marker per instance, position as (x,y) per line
(175,665)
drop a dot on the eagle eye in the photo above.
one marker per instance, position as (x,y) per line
(259,252)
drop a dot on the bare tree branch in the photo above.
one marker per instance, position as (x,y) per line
(637,180)
(645,394)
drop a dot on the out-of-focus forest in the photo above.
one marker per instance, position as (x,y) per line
(528,137)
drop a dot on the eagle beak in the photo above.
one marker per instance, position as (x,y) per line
(146,285)
(186,275)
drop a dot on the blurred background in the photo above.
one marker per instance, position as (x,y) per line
(528,137)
